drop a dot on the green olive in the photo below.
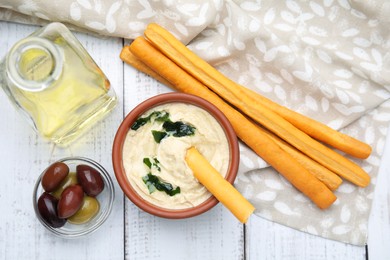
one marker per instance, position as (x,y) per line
(88,210)
(70,179)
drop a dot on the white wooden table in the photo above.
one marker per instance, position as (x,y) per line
(130,233)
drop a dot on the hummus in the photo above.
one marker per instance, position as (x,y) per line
(166,159)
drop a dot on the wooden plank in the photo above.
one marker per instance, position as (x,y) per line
(269,240)
(213,235)
(21,235)
(23,163)
(379,224)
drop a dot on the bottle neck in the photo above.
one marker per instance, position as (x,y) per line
(34,64)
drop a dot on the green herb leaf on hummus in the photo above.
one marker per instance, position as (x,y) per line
(178,129)
(152,162)
(153,183)
(147,162)
(158,135)
(160,116)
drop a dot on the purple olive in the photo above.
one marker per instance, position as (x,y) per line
(70,201)
(54,175)
(47,207)
(90,179)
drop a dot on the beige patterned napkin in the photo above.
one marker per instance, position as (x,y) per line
(329,60)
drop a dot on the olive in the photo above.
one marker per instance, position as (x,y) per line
(88,210)
(70,201)
(71,179)
(90,179)
(54,175)
(47,208)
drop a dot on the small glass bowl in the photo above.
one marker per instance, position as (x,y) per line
(105,198)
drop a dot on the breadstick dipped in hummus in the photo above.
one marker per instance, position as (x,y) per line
(218,186)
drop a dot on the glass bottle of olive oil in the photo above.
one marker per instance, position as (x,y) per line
(52,79)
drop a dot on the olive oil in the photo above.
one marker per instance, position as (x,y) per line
(35,64)
(56,84)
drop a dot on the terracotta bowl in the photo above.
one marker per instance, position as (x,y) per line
(120,138)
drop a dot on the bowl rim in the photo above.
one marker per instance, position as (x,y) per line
(92,228)
(120,137)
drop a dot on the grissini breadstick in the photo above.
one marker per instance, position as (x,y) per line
(130,59)
(316,129)
(261,114)
(209,177)
(212,78)
(330,179)
(260,143)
